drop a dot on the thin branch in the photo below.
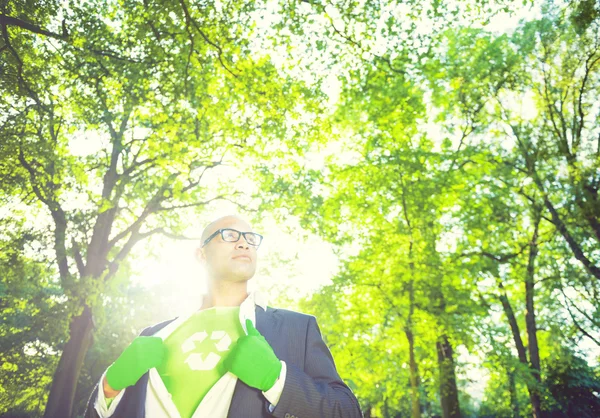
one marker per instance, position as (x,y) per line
(502,258)
(347,38)
(33,178)
(195,204)
(78,258)
(563,142)
(113,265)
(579,327)
(135,237)
(588,69)
(135,226)
(512,321)
(152,206)
(58,216)
(562,228)
(582,312)
(188,20)
(385,296)
(169,234)
(136,164)
(22,81)
(6,21)
(242,207)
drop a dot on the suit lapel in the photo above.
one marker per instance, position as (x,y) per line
(265,324)
(248,401)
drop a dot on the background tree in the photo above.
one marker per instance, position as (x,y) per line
(112,116)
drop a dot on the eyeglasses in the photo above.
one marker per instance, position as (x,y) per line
(233,235)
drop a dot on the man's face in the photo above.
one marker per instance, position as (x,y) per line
(230,261)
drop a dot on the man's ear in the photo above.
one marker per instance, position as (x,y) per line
(200,256)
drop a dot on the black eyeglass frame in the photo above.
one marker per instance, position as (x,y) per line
(240,233)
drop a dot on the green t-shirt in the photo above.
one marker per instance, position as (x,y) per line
(195,354)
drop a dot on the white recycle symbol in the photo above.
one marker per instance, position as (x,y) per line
(195,360)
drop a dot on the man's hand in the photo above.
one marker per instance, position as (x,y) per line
(253,361)
(140,356)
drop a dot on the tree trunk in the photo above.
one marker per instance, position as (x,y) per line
(514,402)
(534,353)
(514,326)
(448,389)
(414,369)
(536,406)
(414,375)
(408,329)
(62,392)
(512,321)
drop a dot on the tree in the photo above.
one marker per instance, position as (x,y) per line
(125,109)
(573,384)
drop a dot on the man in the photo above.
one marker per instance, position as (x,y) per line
(235,357)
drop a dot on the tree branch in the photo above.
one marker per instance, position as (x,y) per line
(59,218)
(512,321)
(562,228)
(135,237)
(195,204)
(22,81)
(556,219)
(13,21)
(588,69)
(151,206)
(579,327)
(502,258)
(385,296)
(188,20)
(169,234)
(78,258)
(6,21)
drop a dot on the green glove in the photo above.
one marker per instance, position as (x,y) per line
(140,356)
(253,361)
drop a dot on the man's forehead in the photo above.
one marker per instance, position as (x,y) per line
(225,222)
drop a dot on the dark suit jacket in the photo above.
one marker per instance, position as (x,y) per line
(313,388)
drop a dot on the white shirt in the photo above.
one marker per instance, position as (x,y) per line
(216,402)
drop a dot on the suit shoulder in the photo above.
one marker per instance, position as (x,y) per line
(153,329)
(290,315)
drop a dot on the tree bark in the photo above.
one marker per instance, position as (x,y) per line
(512,321)
(521,351)
(562,228)
(448,389)
(558,222)
(534,353)
(62,392)
(414,375)
(514,402)
(414,369)
(408,329)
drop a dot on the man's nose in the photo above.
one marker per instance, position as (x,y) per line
(242,243)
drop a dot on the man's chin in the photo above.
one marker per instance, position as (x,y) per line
(241,275)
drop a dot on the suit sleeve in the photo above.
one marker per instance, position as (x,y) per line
(100,405)
(96,407)
(90,411)
(318,390)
